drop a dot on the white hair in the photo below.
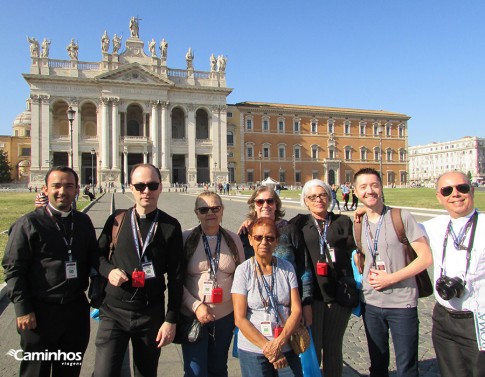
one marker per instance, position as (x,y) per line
(312,183)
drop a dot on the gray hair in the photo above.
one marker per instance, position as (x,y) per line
(312,183)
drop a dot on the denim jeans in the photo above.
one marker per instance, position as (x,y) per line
(208,356)
(404,326)
(257,365)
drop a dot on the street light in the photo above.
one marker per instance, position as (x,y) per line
(379,131)
(100,176)
(93,181)
(70,116)
(260,155)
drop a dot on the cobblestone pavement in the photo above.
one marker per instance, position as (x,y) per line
(356,362)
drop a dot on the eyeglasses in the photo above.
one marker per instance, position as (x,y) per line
(269,239)
(448,190)
(313,198)
(260,202)
(205,210)
(152,186)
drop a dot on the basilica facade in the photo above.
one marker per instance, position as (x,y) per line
(130,107)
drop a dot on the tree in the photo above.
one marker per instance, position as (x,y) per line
(5,168)
(469,175)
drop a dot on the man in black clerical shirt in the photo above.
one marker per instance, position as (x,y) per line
(47,262)
(149,245)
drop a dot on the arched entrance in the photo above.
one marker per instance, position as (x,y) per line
(331,177)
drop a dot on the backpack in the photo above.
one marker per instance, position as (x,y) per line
(425,287)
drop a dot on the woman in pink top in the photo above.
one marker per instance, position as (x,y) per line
(212,255)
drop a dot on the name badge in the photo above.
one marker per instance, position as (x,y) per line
(207,287)
(480,329)
(331,251)
(148,269)
(266,328)
(71,270)
(380,265)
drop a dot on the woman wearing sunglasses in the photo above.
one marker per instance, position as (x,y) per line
(327,236)
(267,307)
(212,254)
(264,202)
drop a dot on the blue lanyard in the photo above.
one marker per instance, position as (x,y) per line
(213,262)
(137,235)
(368,235)
(269,291)
(458,240)
(322,235)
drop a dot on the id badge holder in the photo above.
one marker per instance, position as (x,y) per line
(380,265)
(266,328)
(207,287)
(71,269)
(331,251)
(216,295)
(148,269)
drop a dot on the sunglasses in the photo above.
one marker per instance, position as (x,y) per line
(152,186)
(448,190)
(205,210)
(313,198)
(269,239)
(260,202)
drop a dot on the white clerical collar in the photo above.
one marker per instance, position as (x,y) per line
(56,211)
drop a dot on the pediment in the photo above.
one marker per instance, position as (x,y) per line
(136,74)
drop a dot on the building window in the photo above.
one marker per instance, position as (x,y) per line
(389,155)
(315,174)
(331,127)
(265,125)
(281,153)
(363,154)
(249,124)
(250,176)
(362,128)
(314,152)
(230,138)
(331,154)
(297,153)
(265,152)
(281,125)
(314,127)
(401,131)
(376,154)
(249,152)
(229,114)
(348,153)
(402,155)
(298,176)
(388,130)
(296,126)
(25,151)
(282,177)
(16,132)
(347,127)
(403,177)
(376,129)
(27,133)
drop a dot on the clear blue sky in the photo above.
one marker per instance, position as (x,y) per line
(424,58)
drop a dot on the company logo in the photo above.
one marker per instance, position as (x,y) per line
(67,358)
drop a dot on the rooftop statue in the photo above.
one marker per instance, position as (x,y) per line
(45,48)
(163,49)
(221,63)
(189,58)
(151,48)
(213,63)
(134,27)
(105,42)
(116,44)
(34,47)
(72,49)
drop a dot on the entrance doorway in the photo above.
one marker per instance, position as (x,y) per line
(178,169)
(203,171)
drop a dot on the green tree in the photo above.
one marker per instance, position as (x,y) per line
(5,168)
(469,175)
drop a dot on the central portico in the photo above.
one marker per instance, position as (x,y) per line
(130,108)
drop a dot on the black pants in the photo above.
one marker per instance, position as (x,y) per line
(455,343)
(116,328)
(61,329)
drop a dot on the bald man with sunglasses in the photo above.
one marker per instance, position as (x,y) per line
(149,246)
(458,244)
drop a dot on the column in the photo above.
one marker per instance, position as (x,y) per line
(192,169)
(45,132)
(115,134)
(35,141)
(76,131)
(125,165)
(165,143)
(154,135)
(223,139)
(104,134)
(215,138)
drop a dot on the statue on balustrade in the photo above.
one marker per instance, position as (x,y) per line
(213,63)
(34,47)
(105,42)
(221,63)
(189,58)
(134,27)
(163,49)
(72,49)
(151,48)
(45,48)
(116,43)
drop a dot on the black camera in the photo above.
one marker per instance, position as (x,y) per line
(449,288)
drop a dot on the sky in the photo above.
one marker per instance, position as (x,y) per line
(422,58)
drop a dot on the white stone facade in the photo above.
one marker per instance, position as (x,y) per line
(130,108)
(428,162)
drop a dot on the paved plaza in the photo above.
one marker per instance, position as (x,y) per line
(181,206)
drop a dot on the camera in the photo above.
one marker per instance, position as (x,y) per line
(449,288)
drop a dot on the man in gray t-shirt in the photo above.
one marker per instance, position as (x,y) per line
(389,286)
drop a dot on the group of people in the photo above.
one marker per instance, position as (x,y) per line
(265,280)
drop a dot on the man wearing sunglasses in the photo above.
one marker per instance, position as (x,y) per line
(149,245)
(458,244)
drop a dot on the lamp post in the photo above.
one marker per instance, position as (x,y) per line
(379,131)
(260,155)
(294,167)
(70,116)
(100,176)
(215,167)
(93,181)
